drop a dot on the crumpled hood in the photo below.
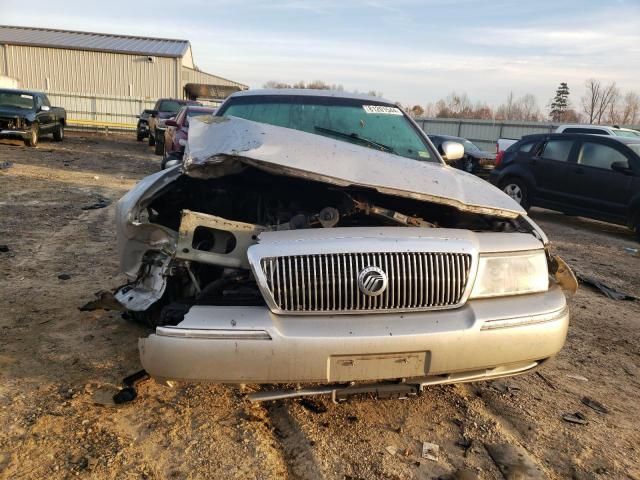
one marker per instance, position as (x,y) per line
(216,142)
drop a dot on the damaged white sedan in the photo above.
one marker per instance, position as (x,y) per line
(319,238)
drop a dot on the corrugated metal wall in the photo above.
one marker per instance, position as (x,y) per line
(195,76)
(3,63)
(94,111)
(93,73)
(483,133)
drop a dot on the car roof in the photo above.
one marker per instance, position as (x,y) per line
(14,90)
(598,127)
(308,92)
(198,108)
(537,136)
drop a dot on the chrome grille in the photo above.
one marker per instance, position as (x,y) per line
(329,282)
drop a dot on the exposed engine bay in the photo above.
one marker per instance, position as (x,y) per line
(216,220)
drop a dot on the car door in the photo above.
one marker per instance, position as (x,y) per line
(593,185)
(549,166)
(44,116)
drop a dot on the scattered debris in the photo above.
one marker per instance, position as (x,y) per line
(100,203)
(312,405)
(514,462)
(577,377)
(430,451)
(64,276)
(546,380)
(595,405)
(391,449)
(128,392)
(577,417)
(610,292)
(4,248)
(632,251)
(6,164)
(104,301)
(465,444)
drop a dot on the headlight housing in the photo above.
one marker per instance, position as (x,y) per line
(511,273)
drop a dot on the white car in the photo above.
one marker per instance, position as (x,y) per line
(598,130)
(319,237)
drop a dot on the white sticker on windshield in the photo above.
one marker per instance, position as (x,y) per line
(382,109)
(30,97)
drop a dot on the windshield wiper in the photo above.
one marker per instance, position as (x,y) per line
(355,136)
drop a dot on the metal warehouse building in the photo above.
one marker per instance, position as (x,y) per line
(103,79)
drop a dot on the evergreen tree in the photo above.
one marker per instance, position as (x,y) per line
(560,103)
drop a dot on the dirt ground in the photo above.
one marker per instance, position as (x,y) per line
(57,363)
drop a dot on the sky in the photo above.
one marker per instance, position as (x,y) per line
(412,51)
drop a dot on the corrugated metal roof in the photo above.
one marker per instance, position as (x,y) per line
(101,42)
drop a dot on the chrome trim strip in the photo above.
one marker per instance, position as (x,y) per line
(212,334)
(525,320)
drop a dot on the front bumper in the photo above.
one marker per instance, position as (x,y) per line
(15,133)
(253,345)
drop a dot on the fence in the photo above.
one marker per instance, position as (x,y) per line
(99,112)
(483,133)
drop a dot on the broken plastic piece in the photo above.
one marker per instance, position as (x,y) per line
(430,451)
(595,405)
(128,392)
(577,417)
(610,292)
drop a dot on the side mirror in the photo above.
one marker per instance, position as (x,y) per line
(170,123)
(451,151)
(621,167)
(44,108)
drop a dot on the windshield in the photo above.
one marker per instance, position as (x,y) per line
(170,106)
(16,100)
(627,133)
(635,147)
(470,147)
(196,113)
(362,122)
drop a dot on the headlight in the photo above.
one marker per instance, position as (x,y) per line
(511,274)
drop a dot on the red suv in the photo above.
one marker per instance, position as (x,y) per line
(177,131)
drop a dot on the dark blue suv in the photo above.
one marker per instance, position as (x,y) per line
(593,176)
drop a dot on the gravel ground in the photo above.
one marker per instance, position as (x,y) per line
(58,365)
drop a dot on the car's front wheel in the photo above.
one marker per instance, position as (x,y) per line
(517,189)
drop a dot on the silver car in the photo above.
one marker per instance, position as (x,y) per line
(319,238)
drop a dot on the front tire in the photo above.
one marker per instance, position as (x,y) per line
(159,150)
(58,133)
(518,190)
(34,136)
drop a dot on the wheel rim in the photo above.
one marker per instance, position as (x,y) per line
(34,136)
(61,133)
(514,191)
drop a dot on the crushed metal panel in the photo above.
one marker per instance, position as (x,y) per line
(284,151)
(243,235)
(149,287)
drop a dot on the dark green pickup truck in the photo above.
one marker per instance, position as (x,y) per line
(29,115)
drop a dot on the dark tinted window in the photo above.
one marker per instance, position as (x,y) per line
(526,146)
(557,150)
(592,131)
(599,156)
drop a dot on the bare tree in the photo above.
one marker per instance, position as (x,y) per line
(628,112)
(416,111)
(316,84)
(598,99)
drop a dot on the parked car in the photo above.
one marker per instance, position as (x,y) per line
(29,115)
(594,176)
(475,160)
(319,237)
(177,132)
(164,109)
(142,128)
(598,130)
